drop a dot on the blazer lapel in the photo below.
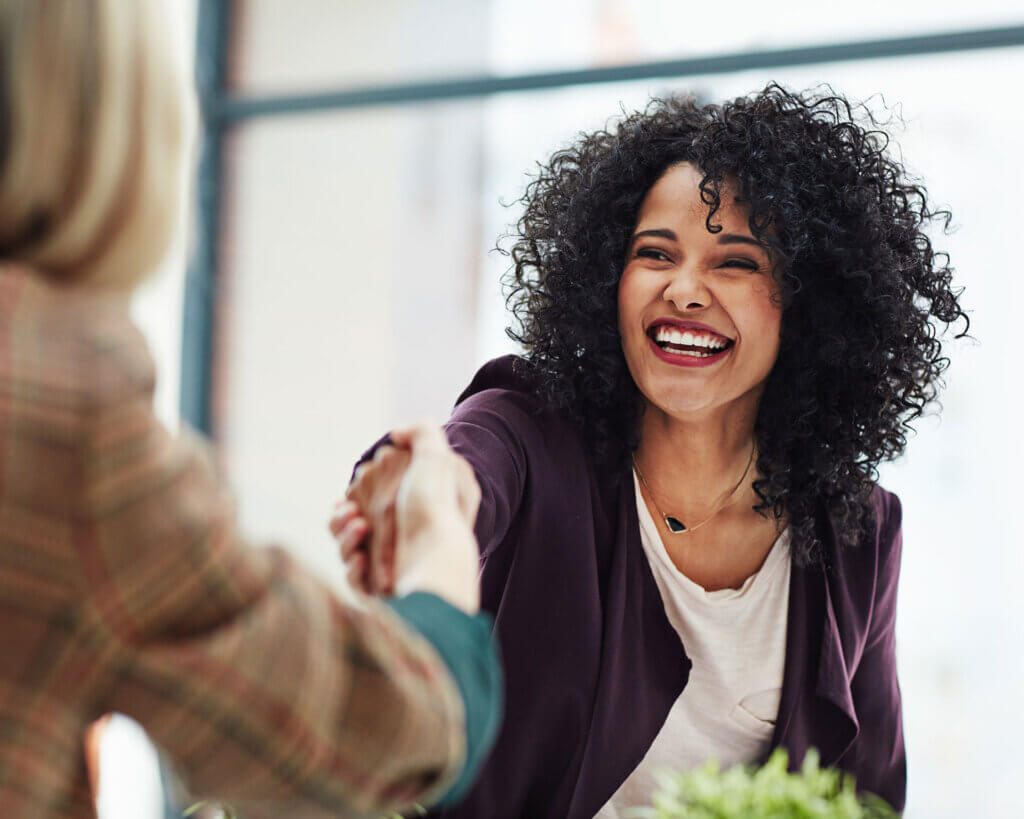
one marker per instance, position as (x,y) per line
(833,687)
(644,668)
(816,709)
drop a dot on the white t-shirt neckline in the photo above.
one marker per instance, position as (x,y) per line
(775,562)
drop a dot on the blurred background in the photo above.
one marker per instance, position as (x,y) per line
(336,277)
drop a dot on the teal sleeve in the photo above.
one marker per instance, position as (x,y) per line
(466,644)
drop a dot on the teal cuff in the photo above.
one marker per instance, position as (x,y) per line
(466,644)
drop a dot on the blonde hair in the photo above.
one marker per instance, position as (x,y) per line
(94,124)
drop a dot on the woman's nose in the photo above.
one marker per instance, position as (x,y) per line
(687,289)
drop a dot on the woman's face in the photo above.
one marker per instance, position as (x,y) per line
(698,321)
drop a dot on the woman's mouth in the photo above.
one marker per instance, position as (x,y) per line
(688,347)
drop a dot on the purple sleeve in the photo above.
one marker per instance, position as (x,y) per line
(882,763)
(488,432)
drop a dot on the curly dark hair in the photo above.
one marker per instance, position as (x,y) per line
(863,290)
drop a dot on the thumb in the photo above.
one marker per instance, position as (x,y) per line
(419,437)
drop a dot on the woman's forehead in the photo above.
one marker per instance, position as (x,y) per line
(676,197)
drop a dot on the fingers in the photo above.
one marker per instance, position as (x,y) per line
(356,574)
(383,461)
(344,511)
(382,570)
(365,522)
(420,436)
(352,537)
(382,551)
(349,528)
(373,478)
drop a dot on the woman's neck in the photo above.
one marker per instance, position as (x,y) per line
(695,462)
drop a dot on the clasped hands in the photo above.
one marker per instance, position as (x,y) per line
(406,522)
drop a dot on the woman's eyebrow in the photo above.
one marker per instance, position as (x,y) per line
(723,238)
(739,238)
(661,233)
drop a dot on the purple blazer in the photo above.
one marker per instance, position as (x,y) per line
(592,665)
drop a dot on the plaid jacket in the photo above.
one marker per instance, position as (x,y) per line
(124,587)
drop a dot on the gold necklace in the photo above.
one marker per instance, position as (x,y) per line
(674,524)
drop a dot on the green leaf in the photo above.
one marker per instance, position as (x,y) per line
(770,792)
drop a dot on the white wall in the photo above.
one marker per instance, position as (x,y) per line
(350,267)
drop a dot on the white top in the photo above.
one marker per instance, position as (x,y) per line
(736,639)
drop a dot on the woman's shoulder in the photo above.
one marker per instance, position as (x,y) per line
(888,515)
(885,500)
(501,383)
(502,397)
(502,411)
(70,340)
(879,551)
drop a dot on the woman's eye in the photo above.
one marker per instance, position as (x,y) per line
(653,253)
(745,264)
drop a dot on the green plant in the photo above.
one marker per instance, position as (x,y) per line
(769,792)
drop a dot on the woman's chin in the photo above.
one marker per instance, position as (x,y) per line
(687,407)
(700,402)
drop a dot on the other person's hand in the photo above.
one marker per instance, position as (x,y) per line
(406,523)
(435,512)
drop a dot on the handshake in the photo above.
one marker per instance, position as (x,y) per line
(406,523)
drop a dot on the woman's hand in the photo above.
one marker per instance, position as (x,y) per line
(406,524)
(364,523)
(350,528)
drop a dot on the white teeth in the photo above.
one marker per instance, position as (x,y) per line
(665,334)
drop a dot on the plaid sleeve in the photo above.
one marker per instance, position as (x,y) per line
(265,691)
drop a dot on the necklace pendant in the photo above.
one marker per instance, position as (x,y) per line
(675,525)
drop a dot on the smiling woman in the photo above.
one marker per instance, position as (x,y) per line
(729,314)
(716,290)
(839,232)
(707,303)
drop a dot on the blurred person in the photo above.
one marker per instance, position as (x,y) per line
(730,317)
(124,584)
